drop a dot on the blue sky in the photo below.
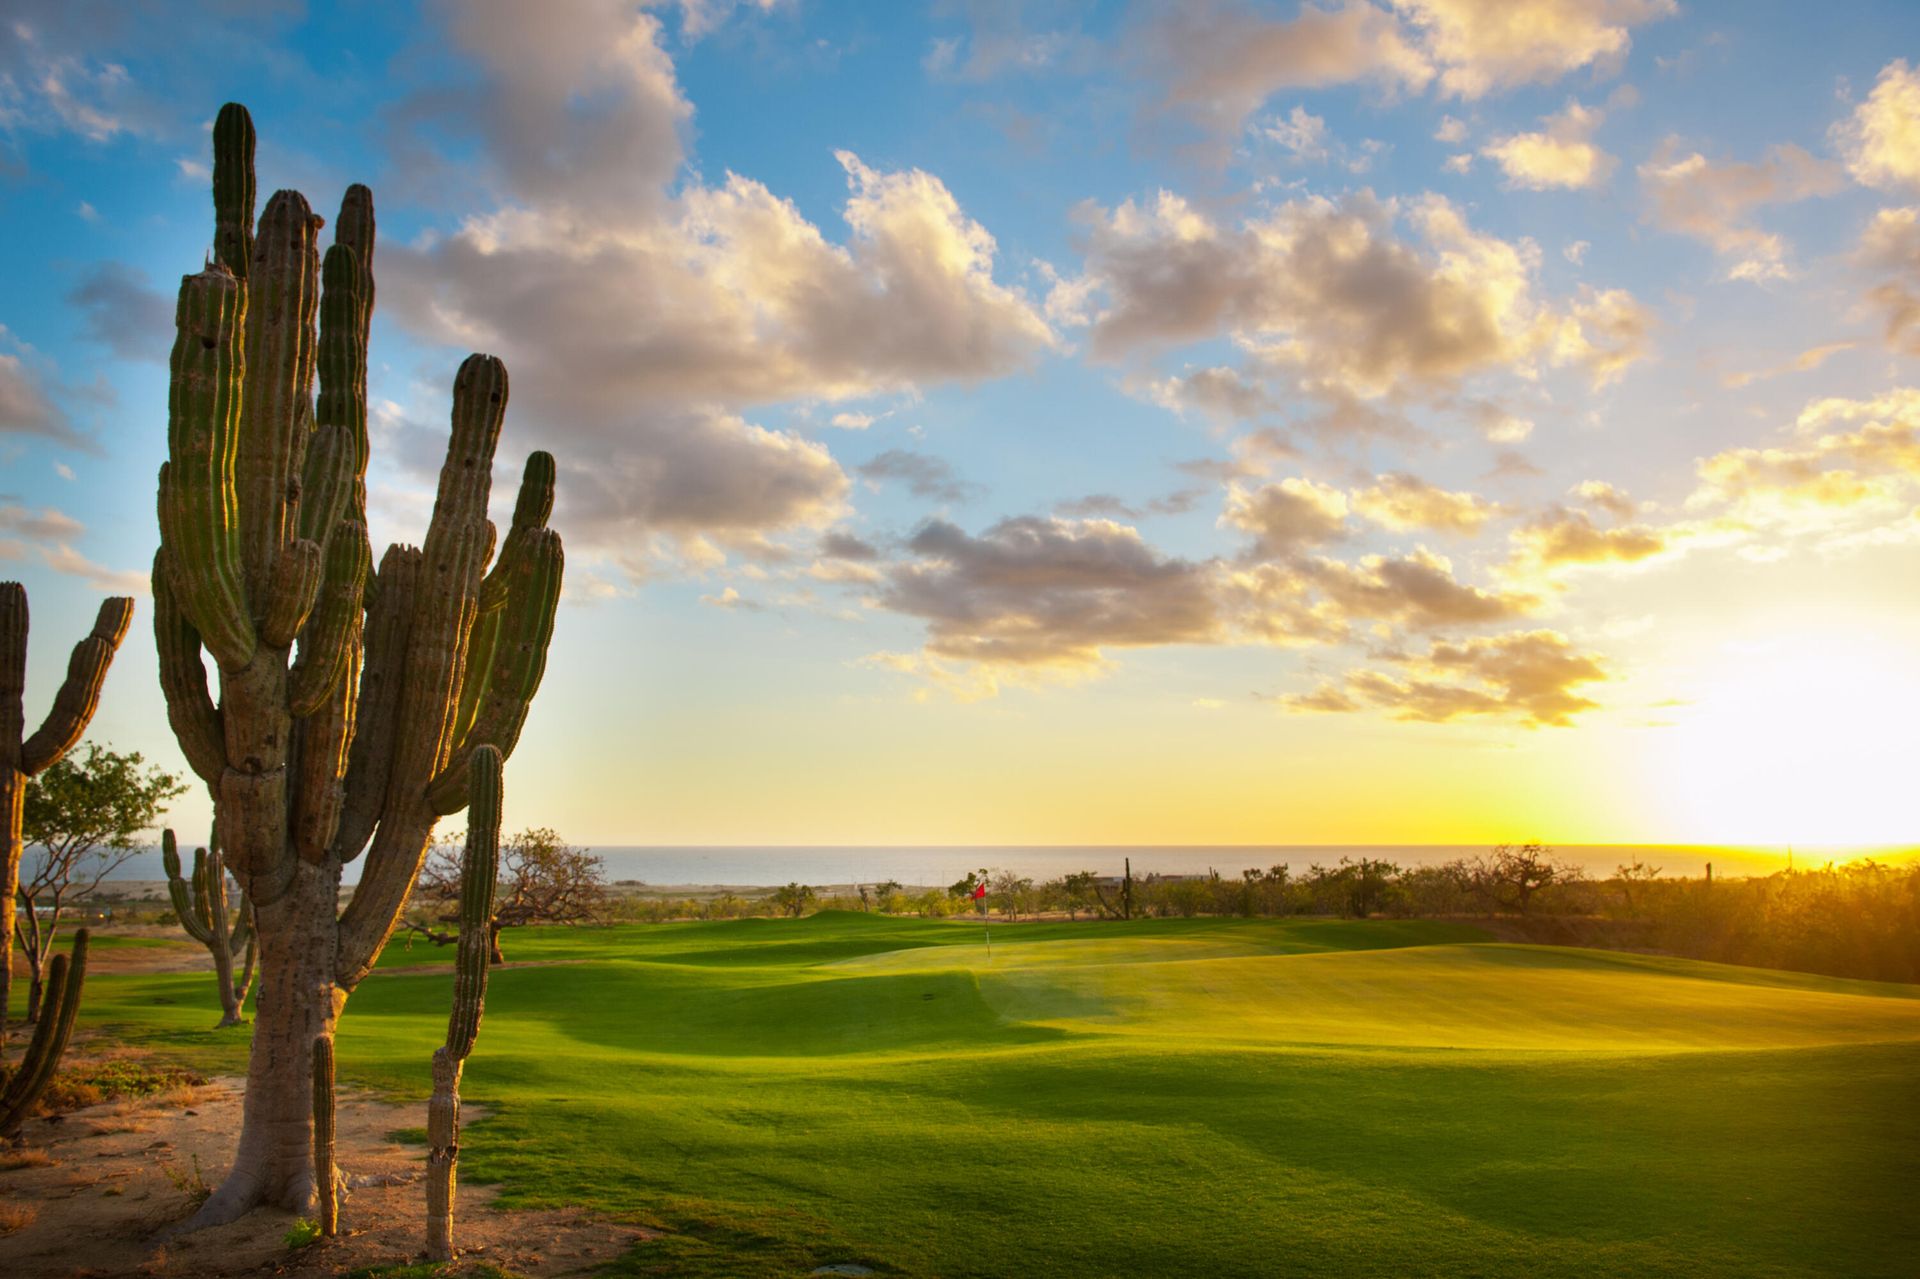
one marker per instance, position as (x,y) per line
(1060,422)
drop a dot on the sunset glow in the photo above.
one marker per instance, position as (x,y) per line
(1411,422)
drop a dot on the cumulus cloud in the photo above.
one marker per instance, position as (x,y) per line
(1331,292)
(1285,517)
(1402,502)
(1529,676)
(1485,45)
(1561,537)
(1220,60)
(25,406)
(1606,497)
(123,313)
(48,535)
(924,475)
(1847,453)
(1560,154)
(1881,139)
(1890,247)
(642,314)
(1221,393)
(1714,201)
(1040,592)
(1418,591)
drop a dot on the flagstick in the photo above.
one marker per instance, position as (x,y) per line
(989,932)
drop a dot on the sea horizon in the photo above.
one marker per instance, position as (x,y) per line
(922,865)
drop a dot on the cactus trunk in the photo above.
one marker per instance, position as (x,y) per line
(350,701)
(298,1002)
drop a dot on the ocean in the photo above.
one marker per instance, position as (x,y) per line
(770,866)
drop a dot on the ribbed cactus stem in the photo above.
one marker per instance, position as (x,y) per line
(325,1171)
(23,755)
(479,872)
(224,927)
(59,1007)
(350,703)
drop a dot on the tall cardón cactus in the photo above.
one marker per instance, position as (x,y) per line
(21,756)
(350,701)
(224,927)
(479,872)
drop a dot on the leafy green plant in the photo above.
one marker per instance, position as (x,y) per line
(303,1231)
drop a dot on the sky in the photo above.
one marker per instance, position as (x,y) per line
(1379,421)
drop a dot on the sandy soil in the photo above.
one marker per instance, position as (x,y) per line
(101,1188)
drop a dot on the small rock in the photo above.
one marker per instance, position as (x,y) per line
(843,1268)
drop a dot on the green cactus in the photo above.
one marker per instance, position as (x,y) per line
(23,756)
(58,1007)
(350,700)
(224,927)
(326,1174)
(479,872)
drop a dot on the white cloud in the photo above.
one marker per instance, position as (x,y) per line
(1561,154)
(1881,139)
(1713,202)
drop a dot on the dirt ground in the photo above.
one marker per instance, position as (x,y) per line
(94,1193)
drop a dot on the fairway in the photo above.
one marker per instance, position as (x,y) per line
(1166,1097)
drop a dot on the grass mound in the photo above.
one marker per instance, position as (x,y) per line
(1178,1097)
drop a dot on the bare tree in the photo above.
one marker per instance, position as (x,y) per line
(80,818)
(1515,872)
(543,880)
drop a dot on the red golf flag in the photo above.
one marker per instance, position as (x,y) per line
(979,891)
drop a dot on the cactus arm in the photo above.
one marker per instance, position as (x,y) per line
(389,625)
(325,1172)
(445,603)
(59,1007)
(13,676)
(332,632)
(518,662)
(479,875)
(327,483)
(293,587)
(319,790)
(180,889)
(531,509)
(340,413)
(233,188)
(276,411)
(194,718)
(79,695)
(199,524)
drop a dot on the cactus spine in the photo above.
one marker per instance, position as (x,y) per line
(479,872)
(23,756)
(326,1174)
(350,701)
(224,927)
(58,1007)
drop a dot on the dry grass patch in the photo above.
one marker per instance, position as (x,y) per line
(25,1157)
(16,1217)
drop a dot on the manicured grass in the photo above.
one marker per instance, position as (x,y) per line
(1169,1097)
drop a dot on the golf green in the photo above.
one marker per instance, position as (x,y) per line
(1161,1097)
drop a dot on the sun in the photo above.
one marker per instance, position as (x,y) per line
(1806,738)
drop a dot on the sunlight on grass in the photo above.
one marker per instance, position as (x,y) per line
(1181,1096)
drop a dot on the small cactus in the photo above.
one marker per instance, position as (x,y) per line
(479,870)
(23,756)
(58,1008)
(223,926)
(326,1174)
